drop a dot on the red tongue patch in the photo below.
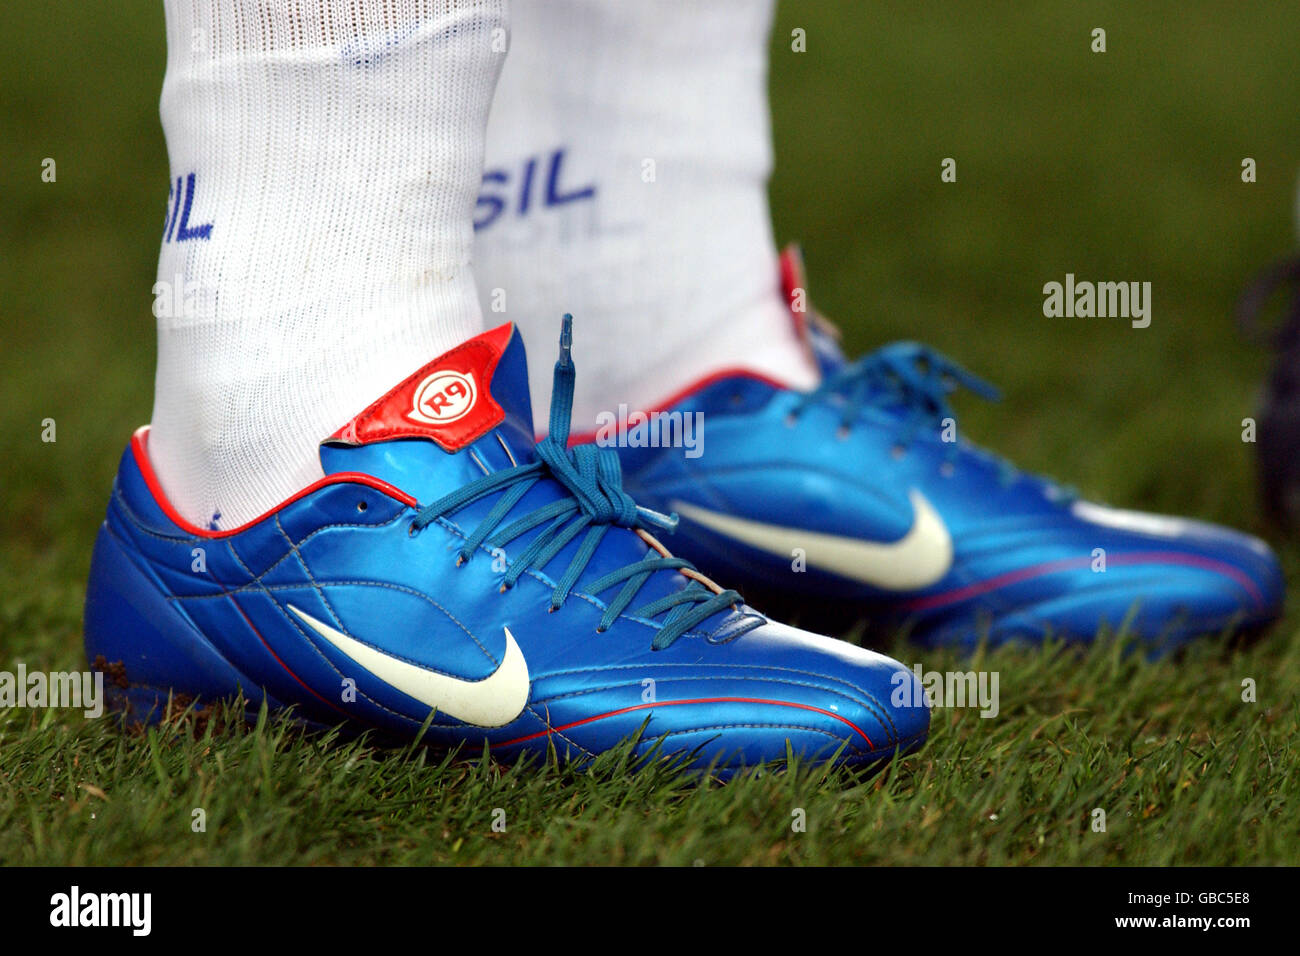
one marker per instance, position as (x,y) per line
(794,284)
(449,400)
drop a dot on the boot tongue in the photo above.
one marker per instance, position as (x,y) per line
(463,413)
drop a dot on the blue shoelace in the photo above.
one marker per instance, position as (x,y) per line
(918,380)
(596,503)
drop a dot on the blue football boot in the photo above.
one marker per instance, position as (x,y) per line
(446,565)
(860,492)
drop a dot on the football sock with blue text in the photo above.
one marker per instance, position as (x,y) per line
(627,163)
(325,161)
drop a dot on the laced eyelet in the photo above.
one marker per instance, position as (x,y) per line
(412,530)
(595,500)
(601,630)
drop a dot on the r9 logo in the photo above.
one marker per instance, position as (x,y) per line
(444,397)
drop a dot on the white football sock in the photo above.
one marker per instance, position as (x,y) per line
(626,182)
(325,161)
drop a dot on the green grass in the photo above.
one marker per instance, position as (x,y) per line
(1184,770)
(1123,165)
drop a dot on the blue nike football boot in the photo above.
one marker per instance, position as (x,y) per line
(446,565)
(861,493)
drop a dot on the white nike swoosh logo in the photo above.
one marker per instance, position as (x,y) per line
(918,559)
(494,701)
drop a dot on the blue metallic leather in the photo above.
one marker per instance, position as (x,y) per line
(1027,558)
(346,554)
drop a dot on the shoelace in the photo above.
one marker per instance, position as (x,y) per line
(596,503)
(908,373)
(918,379)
